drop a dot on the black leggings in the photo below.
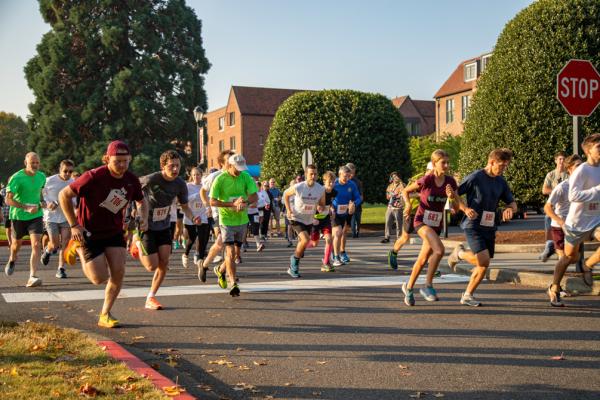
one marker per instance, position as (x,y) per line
(201,232)
(264,226)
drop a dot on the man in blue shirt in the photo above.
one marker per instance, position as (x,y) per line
(484,189)
(344,205)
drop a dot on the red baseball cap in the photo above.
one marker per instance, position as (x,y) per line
(117,148)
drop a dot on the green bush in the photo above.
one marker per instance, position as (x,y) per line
(515,103)
(422,147)
(339,126)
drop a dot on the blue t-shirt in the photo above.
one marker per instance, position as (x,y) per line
(276,193)
(483,194)
(345,193)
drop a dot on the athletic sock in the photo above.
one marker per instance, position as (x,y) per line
(150,294)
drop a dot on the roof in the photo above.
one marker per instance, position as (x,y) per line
(425,107)
(456,83)
(260,101)
(398,101)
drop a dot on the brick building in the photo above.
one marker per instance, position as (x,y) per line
(453,99)
(419,115)
(243,124)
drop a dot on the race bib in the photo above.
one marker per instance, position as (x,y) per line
(261,213)
(197,205)
(342,209)
(115,201)
(160,214)
(309,209)
(432,218)
(592,208)
(488,218)
(256,219)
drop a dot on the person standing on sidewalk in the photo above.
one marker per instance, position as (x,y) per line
(484,189)
(583,219)
(357,214)
(231,192)
(393,213)
(98,230)
(276,214)
(553,178)
(24,196)
(55,221)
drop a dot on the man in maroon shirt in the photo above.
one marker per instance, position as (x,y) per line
(103,194)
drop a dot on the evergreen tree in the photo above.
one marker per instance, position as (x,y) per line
(113,69)
(13,142)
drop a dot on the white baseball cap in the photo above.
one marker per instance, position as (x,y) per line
(238,161)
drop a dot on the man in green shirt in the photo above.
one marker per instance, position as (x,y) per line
(232,192)
(24,196)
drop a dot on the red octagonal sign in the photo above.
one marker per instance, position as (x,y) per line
(578,88)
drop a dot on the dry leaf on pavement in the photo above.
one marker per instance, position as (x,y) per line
(402,366)
(259,363)
(172,391)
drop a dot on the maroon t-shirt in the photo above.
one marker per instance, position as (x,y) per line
(103,199)
(432,199)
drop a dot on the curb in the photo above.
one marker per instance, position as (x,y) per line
(514,248)
(117,352)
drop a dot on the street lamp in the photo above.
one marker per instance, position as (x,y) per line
(199,117)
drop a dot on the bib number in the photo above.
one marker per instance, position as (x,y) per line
(488,219)
(114,202)
(160,214)
(261,213)
(342,209)
(256,219)
(592,208)
(432,218)
(308,209)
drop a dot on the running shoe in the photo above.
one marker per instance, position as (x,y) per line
(409,296)
(469,300)
(201,272)
(393,259)
(60,273)
(196,258)
(429,293)
(107,321)
(235,290)
(548,252)
(453,258)
(260,247)
(70,252)
(185,261)
(220,277)
(176,245)
(217,259)
(327,268)
(337,262)
(34,281)
(238,260)
(587,276)
(344,258)
(45,258)
(555,300)
(10,268)
(293,271)
(290,244)
(385,240)
(153,304)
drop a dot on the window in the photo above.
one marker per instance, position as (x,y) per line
(221,123)
(484,61)
(221,145)
(449,111)
(231,119)
(470,71)
(465,104)
(232,143)
(413,127)
(261,140)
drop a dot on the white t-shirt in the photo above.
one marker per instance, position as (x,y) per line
(263,198)
(559,199)
(195,204)
(584,195)
(207,184)
(54,185)
(306,201)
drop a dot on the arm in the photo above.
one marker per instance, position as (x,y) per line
(509,211)
(204,195)
(142,211)
(546,190)
(549,210)
(576,191)
(187,211)
(10,200)
(286,201)
(406,193)
(65,199)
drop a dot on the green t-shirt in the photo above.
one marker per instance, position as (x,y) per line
(26,190)
(228,188)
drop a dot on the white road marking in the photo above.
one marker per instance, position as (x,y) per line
(270,286)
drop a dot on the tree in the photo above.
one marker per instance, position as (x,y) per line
(338,126)
(13,142)
(422,147)
(112,69)
(515,104)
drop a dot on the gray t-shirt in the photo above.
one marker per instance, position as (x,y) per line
(553,178)
(306,201)
(160,194)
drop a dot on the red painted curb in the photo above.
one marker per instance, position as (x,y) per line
(119,353)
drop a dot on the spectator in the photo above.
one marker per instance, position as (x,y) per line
(393,213)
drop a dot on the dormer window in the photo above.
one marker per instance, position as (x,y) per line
(484,61)
(470,71)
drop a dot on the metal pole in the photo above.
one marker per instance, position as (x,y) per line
(576,136)
(199,152)
(201,138)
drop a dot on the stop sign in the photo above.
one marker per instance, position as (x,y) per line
(578,88)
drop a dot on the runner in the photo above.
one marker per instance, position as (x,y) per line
(231,192)
(97,231)
(557,208)
(583,220)
(289,231)
(24,196)
(200,232)
(484,189)
(160,190)
(323,227)
(56,224)
(255,220)
(553,178)
(6,216)
(217,247)
(393,213)
(435,189)
(276,214)
(357,214)
(344,205)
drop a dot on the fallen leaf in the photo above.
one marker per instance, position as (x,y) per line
(240,349)
(244,367)
(559,358)
(259,363)
(103,348)
(316,394)
(138,337)
(171,350)
(14,371)
(91,310)
(171,362)
(206,388)
(402,366)
(288,384)
(88,391)
(212,371)
(439,395)
(173,391)
(155,366)
(321,362)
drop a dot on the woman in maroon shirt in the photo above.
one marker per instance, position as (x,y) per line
(434,189)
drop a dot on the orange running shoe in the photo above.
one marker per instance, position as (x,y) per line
(153,304)
(70,252)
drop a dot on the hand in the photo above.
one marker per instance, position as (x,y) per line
(507,214)
(470,213)
(406,212)
(78,232)
(197,220)
(31,208)
(268,207)
(562,223)
(351,208)
(52,206)
(449,192)
(288,214)
(143,225)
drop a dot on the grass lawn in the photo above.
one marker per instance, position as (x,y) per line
(373,213)
(42,361)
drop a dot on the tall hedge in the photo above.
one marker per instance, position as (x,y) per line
(339,126)
(422,147)
(515,103)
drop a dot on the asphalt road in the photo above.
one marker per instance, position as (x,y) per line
(345,335)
